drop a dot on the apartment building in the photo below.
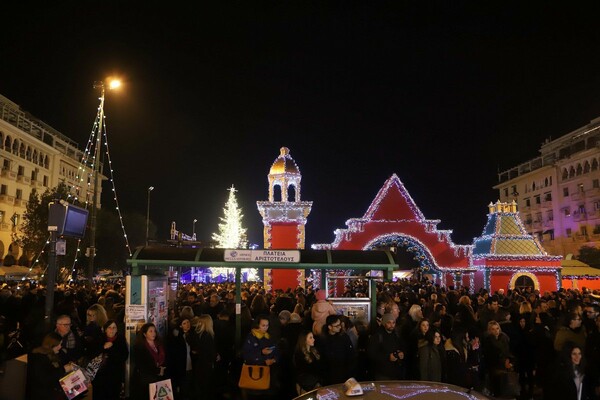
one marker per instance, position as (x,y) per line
(33,156)
(558,192)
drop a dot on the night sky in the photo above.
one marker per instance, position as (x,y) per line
(444,94)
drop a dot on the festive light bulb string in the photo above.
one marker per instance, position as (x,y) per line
(114,190)
(90,152)
(37,259)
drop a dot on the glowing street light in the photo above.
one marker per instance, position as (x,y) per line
(194,229)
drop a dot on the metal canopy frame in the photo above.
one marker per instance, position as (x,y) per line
(146,258)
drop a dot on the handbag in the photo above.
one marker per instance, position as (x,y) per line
(257,377)
(94,366)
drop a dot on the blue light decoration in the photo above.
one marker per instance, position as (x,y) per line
(412,245)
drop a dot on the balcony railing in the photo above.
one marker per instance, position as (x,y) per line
(577,196)
(23,179)
(4,198)
(593,193)
(5,173)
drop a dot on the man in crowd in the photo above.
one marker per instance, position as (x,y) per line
(71,346)
(385,351)
(338,354)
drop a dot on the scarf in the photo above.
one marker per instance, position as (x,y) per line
(158,355)
(259,334)
(68,341)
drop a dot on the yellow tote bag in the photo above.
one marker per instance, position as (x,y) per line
(257,377)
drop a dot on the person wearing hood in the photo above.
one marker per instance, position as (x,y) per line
(320,310)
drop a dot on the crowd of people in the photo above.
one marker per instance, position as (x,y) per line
(549,343)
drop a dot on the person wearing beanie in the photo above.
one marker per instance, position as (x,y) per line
(320,311)
(386,350)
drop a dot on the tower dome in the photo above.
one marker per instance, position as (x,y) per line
(284,164)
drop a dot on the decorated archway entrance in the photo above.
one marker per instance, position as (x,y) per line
(393,221)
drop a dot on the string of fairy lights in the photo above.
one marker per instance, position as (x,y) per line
(37,260)
(86,175)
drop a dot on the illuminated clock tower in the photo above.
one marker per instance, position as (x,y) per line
(284,217)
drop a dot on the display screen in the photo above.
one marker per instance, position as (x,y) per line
(75,222)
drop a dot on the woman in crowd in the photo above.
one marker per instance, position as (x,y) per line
(456,348)
(572,380)
(307,363)
(259,306)
(523,346)
(44,370)
(93,337)
(204,355)
(178,350)
(109,378)
(260,349)
(432,358)
(150,360)
(417,339)
(466,317)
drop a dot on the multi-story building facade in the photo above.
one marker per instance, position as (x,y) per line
(33,156)
(558,192)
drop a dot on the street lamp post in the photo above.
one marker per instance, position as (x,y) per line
(151,188)
(194,229)
(113,84)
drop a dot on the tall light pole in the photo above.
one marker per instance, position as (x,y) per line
(151,188)
(194,229)
(113,84)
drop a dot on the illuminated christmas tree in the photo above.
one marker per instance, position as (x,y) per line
(231,233)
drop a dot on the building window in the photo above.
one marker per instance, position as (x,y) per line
(597,205)
(19,194)
(1,216)
(581,209)
(3,189)
(566,192)
(505,192)
(596,183)
(6,164)
(567,211)
(514,190)
(583,230)
(580,188)
(21,170)
(527,202)
(548,196)
(45,180)
(538,200)
(568,232)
